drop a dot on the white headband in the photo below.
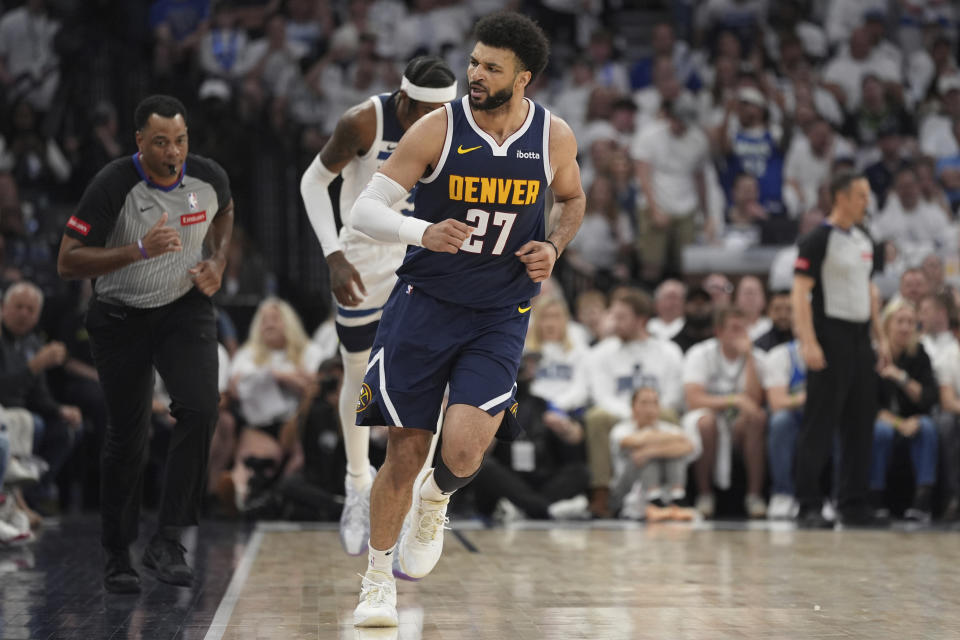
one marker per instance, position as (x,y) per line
(429,94)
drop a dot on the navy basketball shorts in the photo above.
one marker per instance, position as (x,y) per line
(424,343)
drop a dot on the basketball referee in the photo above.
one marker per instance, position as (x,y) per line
(153,230)
(836,309)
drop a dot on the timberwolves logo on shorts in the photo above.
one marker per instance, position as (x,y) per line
(365,396)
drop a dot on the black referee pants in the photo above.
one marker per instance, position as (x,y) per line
(180,340)
(842,400)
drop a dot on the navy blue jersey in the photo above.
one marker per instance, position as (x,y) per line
(497,189)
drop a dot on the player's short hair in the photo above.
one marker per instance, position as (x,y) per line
(162,105)
(638,301)
(842,180)
(429,71)
(518,33)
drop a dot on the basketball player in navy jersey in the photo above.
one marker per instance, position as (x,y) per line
(362,270)
(459,311)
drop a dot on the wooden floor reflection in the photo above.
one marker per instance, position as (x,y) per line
(665,581)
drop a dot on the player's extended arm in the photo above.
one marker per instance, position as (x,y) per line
(539,257)
(419,149)
(351,137)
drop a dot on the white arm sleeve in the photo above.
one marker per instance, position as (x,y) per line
(316,198)
(372,213)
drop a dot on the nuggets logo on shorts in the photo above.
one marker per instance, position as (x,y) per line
(513,409)
(365,396)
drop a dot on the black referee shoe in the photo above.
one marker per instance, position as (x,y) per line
(164,557)
(862,517)
(119,575)
(812,519)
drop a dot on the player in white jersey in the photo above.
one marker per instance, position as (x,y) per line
(362,270)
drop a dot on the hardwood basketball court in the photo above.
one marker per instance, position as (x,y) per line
(713,581)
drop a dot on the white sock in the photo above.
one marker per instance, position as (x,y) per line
(356,440)
(430,491)
(381,560)
(360,482)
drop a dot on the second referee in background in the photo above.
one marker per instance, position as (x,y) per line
(153,229)
(836,309)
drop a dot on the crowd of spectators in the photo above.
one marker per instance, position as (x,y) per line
(702,125)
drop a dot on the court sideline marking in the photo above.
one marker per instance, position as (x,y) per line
(225,610)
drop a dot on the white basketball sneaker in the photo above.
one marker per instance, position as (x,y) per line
(355,518)
(422,543)
(378,601)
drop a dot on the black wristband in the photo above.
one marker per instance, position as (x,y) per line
(557,251)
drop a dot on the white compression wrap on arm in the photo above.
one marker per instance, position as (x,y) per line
(372,213)
(316,198)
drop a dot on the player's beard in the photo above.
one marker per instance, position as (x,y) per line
(493,101)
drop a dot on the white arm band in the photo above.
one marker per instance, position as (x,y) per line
(316,198)
(372,213)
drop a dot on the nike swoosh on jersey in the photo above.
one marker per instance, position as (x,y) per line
(523,309)
(462,151)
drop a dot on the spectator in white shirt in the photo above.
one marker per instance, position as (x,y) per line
(221,50)
(936,130)
(650,458)
(810,158)
(924,66)
(668,303)
(750,298)
(726,404)
(846,70)
(427,28)
(844,16)
(665,87)
(273,60)
(600,247)
(671,158)
(915,227)
(575,93)
(269,376)
(933,314)
(616,367)
(29,66)
(560,378)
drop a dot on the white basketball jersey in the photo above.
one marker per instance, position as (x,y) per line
(376,261)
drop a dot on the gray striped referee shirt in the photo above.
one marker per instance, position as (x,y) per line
(120,206)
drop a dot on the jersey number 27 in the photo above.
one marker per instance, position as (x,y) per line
(474,243)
